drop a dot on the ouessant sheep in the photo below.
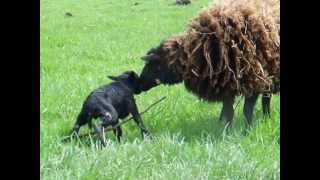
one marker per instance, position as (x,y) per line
(232,48)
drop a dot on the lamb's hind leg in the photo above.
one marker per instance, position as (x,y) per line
(118,133)
(108,116)
(98,129)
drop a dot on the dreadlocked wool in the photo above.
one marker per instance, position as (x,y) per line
(231,48)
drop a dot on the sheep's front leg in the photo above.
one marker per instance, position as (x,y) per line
(137,118)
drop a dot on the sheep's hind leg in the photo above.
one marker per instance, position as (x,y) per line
(248,108)
(265,100)
(228,111)
(222,113)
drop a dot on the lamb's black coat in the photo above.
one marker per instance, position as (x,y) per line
(111,102)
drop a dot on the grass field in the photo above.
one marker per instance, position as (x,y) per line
(107,37)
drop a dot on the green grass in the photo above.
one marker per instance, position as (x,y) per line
(107,37)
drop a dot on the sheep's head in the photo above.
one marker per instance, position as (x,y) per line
(156,70)
(130,79)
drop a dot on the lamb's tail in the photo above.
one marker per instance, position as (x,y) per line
(82,119)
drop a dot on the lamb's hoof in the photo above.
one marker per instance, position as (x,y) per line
(73,134)
(228,127)
(105,143)
(146,135)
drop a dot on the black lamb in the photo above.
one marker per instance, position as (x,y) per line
(111,102)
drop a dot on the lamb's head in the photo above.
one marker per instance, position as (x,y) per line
(156,69)
(130,79)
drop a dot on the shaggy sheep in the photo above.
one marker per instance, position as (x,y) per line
(230,49)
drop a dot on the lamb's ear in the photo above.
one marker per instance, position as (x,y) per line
(113,78)
(133,77)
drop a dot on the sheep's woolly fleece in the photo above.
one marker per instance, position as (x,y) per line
(231,48)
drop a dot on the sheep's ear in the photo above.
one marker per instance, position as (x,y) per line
(152,54)
(113,78)
(148,57)
(151,57)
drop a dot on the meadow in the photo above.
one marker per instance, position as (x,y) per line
(107,37)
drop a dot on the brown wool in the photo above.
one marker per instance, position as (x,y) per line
(230,48)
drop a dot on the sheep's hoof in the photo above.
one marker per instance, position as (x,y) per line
(245,132)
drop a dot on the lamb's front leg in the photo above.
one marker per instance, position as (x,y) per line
(137,118)
(118,132)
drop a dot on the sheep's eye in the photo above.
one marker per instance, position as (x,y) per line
(157,81)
